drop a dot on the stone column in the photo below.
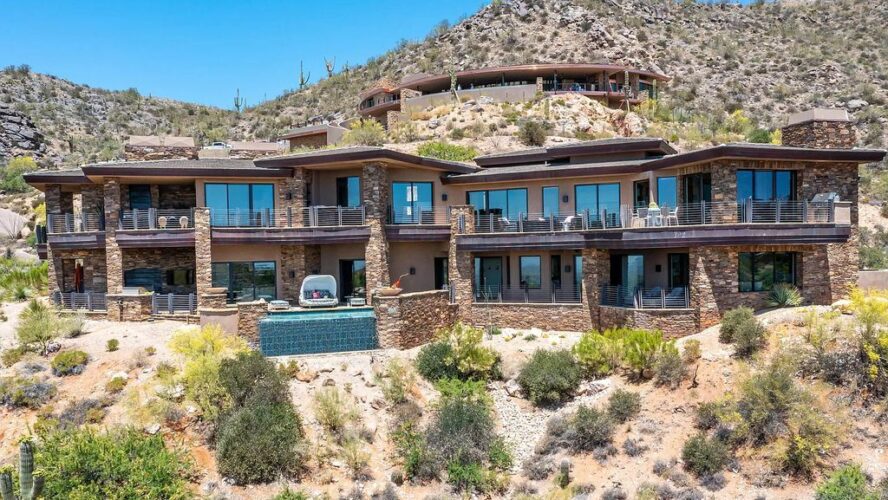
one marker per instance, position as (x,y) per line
(596,271)
(53,197)
(375,195)
(292,195)
(113,254)
(55,270)
(459,263)
(293,271)
(539,85)
(703,300)
(203,254)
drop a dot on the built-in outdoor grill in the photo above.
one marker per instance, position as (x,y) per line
(825,198)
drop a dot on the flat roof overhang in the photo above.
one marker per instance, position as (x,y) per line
(651,238)
(587,148)
(99,172)
(290,236)
(76,241)
(166,238)
(344,156)
(398,232)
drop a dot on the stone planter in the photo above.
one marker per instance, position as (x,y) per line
(388,291)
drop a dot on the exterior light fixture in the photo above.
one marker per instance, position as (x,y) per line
(565,199)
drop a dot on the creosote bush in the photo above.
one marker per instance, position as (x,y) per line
(446,151)
(669,367)
(847,483)
(633,350)
(732,320)
(457,353)
(397,381)
(549,377)
(112,345)
(333,410)
(623,405)
(365,132)
(69,363)
(533,132)
(691,351)
(705,456)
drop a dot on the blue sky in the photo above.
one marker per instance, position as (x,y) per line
(201,51)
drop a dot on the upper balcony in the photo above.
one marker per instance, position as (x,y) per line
(75,230)
(155,228)
(313,224)
(409,223)
(777,221)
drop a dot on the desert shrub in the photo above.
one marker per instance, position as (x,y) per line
(669,367)
(472,390)
(704,455)
(446,151)
(11,176)
(12,356)
(418,460)
(846,483)
(538,467)
(640,349)
(784,295)
(122,463)
(365,132)
(614,493)
(766,401)
(72,326)
(732,320)
(115,385)
(250,377)
(810,438)
(355,456)
(260,441)
(709,414)
(533,132)
(590,428)
(461,430)
(38,326)
(81,412)
(288,494)
(691,351)
(714,482)
(599,353)
(549,377)
(634,448)
(112,345)
(623,405)
(69,363)
(432,362)
(333,410)
(203,350)
(18,392)
(397,381)
(749,338)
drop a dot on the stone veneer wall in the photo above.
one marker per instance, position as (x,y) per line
(555,317)
(52,196)
(140,153)
(176,196)
(375,193)
(113,255)
(673,323)
(129,307)
(820,134)
(61,269)
(203,254)
(459,264)
(161,258)
(412,319)
(248,316)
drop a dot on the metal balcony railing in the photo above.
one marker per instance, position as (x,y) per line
(645,298)
(691,214)
(74,223)
(419,216)
(546,293)
(316,216)
(156,219)
(74,301)
(169,303)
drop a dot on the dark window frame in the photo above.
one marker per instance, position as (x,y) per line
(557,200)
(252,264)
(414,202)
(793,183)
(753,265)
(521,281)
(487,192)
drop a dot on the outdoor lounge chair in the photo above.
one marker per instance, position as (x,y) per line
(318,290)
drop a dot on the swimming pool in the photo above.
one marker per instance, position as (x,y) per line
(318,331)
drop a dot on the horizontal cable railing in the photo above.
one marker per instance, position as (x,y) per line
(645,298)
(169,303)
(690,214)
(74,223)
(551,293)
(89,301)
(570,87)
(315,216)
(156,219)
(419,216)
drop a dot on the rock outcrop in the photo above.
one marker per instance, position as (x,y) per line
(18,135)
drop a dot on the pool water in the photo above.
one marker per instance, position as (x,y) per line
(318,331)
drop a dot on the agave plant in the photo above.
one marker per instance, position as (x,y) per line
(30,484)
(784,295)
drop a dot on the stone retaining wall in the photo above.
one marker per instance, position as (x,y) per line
(411,319)
(142,153)
(673,323)
(129,307)
(248,316)
(555,317)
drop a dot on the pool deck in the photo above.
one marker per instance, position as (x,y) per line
(319,309)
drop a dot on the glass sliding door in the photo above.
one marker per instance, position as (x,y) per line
(530,271)
(550,201)
(240,204)
(641,194)
(412,203)
(348,191)
(352,278)
(667,192)
(488,277)
(246,281)
(600,200)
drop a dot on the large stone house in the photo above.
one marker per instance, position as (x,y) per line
(572,237)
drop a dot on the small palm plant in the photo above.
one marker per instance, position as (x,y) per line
(30,484)
(784,295)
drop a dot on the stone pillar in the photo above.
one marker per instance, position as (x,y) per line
(596,272)
(293,271)
(539,85)
(459,263)
(113,254)
(53,197)
(55,270)
(703,300)
(820,128)
(375,195)
(203,254)
(92,199)
(292,195)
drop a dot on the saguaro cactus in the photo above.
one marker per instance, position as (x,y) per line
(30,484)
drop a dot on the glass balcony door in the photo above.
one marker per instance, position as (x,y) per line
(412,202)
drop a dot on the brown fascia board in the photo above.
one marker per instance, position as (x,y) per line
(324,157)
(40,178)
(533,155)
(130,171)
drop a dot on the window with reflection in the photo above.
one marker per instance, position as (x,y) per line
(667,191)
(760,271)
(239,204)
(411,201)
(531,274)
(507,203)
(246,281)
(597,198)
(348,191)
(766,185)
(550,201)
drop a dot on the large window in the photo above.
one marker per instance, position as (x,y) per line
(766,185)
(760,271)
(531,274)
(246,281)
(550,201)
(597,198)
(411,201)
(140,196)
(667,191)
(503,202)
(238,204)
(348,191)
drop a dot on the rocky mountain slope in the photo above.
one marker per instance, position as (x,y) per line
(768,59)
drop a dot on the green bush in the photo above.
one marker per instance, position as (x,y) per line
(533,132)
(115,385)
(759,135)
(69,363)
(549,377)
(705,456)
(259,442)
(122,463)
(397,381)
(669,367)
(640,349)
(590,428)
(461,430)
(749,338)
(710,414)
(333,411)
(288,494)
(446,151)
(365,132)
(432,362)
(472,390)
(784,295)
(732,321)
(12,356)
(691,351)
(599,353)
(623,405)
(250,378)
(11,179)
(767,400)
(17,392)
(38,325)
(846,483)
(112,345)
